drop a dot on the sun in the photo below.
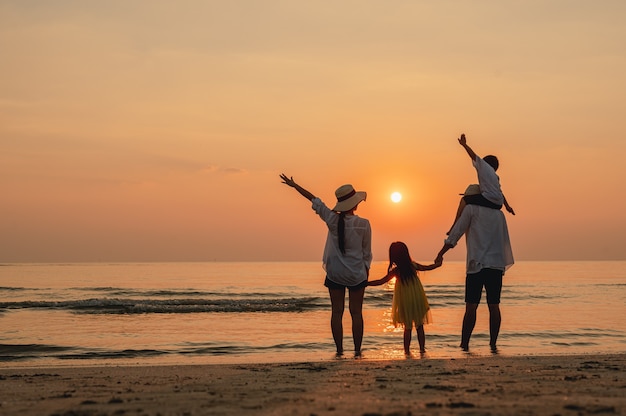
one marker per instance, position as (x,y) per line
(396,197)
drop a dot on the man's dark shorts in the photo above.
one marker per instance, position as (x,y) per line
(490,279)
(332,285)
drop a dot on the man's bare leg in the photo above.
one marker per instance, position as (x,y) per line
(495,319)
(469,321)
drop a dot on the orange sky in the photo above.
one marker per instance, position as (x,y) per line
(156,131)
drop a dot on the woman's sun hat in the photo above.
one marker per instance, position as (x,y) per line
(348,198)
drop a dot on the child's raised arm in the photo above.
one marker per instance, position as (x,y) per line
(470,152)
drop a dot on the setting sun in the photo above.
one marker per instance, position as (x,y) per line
(396,197)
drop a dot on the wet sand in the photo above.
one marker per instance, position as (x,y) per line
(492,385)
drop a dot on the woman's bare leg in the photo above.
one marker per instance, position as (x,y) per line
(337,301)
(356,311)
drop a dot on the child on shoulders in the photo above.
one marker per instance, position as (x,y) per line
(490,195)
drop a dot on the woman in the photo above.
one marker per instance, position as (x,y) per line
(347,258)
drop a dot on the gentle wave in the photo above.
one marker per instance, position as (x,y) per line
(115,291)
(374,343)
(117,300)
(139,306)
(23,352)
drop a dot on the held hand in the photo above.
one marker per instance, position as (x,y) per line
(287,180)
(439,260)
(462,140)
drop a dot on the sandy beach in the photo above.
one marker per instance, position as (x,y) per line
(492,385)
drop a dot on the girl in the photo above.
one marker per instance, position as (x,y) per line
(410,305)
(347,258)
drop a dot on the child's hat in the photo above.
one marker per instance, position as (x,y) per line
(348,198)
(472,189)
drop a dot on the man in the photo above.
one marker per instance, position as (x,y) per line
(489,255)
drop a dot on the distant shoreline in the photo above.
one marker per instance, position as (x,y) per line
(459,260)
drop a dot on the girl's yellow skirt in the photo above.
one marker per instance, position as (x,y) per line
(410,304)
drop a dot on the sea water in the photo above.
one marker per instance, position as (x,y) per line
(192,313)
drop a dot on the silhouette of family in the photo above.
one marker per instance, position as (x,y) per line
(348,255)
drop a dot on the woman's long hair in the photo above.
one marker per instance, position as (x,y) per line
(400,257)
(341,232)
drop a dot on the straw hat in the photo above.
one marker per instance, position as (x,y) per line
(472,189)
(348,198)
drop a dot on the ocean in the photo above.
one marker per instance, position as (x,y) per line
(206,313)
